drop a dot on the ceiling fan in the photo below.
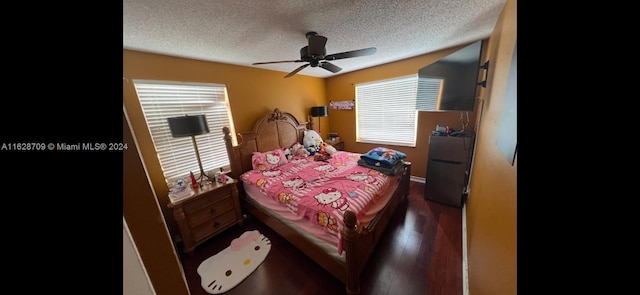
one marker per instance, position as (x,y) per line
(314,55)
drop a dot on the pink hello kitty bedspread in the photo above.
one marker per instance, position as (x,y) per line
(321,191)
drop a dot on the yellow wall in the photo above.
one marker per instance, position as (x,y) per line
(146,224)
(343,122)
(492,204)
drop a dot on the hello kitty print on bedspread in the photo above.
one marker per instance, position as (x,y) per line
(321,191)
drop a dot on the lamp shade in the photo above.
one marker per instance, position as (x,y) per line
(321,111)
(188,125)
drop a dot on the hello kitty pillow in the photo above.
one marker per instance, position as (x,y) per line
(268,160)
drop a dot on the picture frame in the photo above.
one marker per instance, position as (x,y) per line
(342,105)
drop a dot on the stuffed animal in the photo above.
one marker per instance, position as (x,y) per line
(321,156)
(327,148)
(287,153)
(298,150)
(311,141)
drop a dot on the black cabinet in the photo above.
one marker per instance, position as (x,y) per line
(448,166)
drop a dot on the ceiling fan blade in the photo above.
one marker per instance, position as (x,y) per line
(274,62)
(348,54)
(330,67)
(316,45)
(296,70)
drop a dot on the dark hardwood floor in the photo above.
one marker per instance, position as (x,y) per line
(420,252)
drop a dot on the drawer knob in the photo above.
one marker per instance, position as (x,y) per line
(216,224)
(212,211)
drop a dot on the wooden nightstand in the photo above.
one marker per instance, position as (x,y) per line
(214,208)
(336,143)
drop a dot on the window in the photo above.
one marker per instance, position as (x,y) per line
(386,111)
(161,100)
(429,93)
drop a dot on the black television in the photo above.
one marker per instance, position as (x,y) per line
(450,84)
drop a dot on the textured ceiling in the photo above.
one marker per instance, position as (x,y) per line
(243,32)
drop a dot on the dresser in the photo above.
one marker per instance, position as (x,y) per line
(213,208)
(448,168)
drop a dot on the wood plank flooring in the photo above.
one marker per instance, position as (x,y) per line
(420,252)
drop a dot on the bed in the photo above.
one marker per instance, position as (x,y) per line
(342,246)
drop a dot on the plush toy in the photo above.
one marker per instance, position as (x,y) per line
(311,141)
(298,150)
(327,148)
(287,153)
(321,156)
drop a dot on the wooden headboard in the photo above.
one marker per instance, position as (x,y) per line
(274,130)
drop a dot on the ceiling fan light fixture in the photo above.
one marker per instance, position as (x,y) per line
(309,34)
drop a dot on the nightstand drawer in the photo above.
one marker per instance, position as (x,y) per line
(209,211)
(209,199)
(214,225)
(213,208)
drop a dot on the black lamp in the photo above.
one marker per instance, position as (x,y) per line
(190,126)
(321,111)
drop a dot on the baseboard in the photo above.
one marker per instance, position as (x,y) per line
(465,264)
(418,179)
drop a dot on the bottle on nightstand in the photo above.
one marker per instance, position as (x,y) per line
(221,177)
(194,182)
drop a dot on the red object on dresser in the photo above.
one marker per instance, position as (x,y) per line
(194,182)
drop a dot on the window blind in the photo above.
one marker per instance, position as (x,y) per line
(429,92)
(386,111)
(161,100)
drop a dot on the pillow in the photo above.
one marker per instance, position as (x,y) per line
(268,160)
(383,157)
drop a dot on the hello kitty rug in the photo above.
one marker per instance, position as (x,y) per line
(225,270)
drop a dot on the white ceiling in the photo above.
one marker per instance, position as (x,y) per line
(243,32)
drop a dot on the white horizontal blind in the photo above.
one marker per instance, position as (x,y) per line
(429,92)
(386,111)
(161,100)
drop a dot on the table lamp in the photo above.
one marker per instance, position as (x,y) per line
(184,126)
(321,111)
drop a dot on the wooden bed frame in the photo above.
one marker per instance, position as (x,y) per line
(280,129)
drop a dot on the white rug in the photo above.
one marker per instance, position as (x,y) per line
(225,270)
